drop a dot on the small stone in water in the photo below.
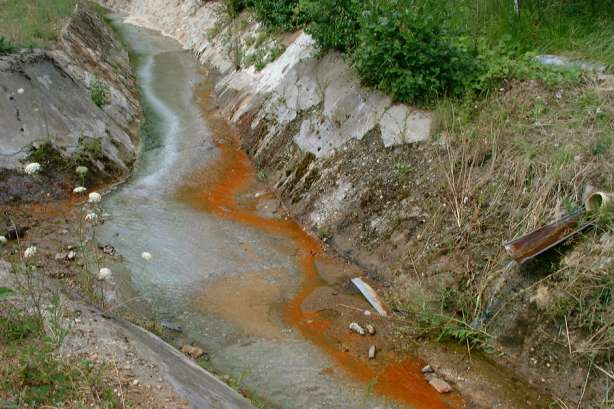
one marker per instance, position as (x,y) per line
(440,385)
(192,351)
(357,328)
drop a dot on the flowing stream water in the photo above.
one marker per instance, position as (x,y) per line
(231,273)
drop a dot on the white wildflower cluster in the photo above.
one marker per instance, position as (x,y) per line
(104,274)
(32,168)
(146,256)
(30,252)
(79,190)
(3,240)
(81,170)
(91,217)
(94,198)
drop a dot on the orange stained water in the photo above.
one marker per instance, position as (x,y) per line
(215,190)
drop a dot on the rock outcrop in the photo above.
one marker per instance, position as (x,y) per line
(48,115)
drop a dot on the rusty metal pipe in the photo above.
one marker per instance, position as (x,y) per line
(537,242)
(599,202)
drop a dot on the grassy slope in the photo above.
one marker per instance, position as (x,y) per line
(506,166)
(33,23)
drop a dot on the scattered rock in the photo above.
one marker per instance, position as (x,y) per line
(440,385)
(171,326)
(372,352)
(357,328)
(564,62)
(108,249)
(71,255)
(61,256)
(367,313)
(194,352)
(427,369)
(370,329)
(16,232)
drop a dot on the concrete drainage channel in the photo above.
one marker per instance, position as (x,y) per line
(241,278)
(200,388)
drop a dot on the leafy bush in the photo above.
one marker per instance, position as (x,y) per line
(411,55)
(6,47)
(234,7)
(280,15)
(419,50)
(99,93)
(333,24)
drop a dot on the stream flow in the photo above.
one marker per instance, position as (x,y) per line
(229,267)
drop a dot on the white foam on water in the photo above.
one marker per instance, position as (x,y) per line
(169,121)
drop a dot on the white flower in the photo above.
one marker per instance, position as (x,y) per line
(3,240)
(32,168)
(30,252)
(146,256)
(91,217)
(95,197)
(104,274)
(81,170)
(79,189)
(20,91)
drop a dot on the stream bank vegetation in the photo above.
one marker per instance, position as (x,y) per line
(504,166)
(516,145)
(423,50)
(34,322)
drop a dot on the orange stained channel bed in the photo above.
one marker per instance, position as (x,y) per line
(233,173)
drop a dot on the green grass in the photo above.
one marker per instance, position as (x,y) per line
(577,28)
(33,375)
(33,23)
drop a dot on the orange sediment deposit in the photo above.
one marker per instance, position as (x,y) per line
(246,301)
(215,190)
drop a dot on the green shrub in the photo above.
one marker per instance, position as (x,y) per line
(16,325)
(99,93)
(333,24)
(410,54)
(282,15)
(234,7)
(6,47)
